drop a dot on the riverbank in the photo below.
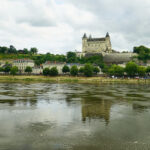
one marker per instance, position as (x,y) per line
(67,79)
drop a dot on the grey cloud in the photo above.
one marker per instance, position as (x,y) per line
(59,25)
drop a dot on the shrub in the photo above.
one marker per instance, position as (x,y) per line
(14,70)
(1,69)
(28,69)
(81,70)
(46,71)
(131,69)
(141,71)
(116,71)
(53,71)
(96,70)
(65,69)
(148,69)
(7,69)
(88,70)
(74,70)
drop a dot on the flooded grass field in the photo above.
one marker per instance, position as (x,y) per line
(46,116)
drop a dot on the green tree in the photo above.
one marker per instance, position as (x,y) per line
(14,70)
(53,71)
(131,69)
(148,69)
(34,50)
(46,71)
(65,69)
(1,69)
(12,49)
(119,71)
(96,70)
(81,70)
(28,69)
(74,70)
(115,70)
(88,70)
(141,71)
(71,57)
(7,68)
(25,51)
(105,69)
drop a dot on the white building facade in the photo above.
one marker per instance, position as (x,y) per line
(22,64)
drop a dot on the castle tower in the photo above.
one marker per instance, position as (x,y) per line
(108,43)
(96,45)
(84,43)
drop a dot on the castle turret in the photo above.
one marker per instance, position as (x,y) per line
(108,43)
(84,42)
(107,34)
(84,36)
(90,37)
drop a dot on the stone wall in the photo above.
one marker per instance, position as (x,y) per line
(118,58)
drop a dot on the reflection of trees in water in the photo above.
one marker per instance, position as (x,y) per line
(140,107)
(25,102)
(21,94)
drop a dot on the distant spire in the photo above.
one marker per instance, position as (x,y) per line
(84,36)
(107,34)
(90,37)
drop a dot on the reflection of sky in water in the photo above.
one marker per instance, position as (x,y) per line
(82,116)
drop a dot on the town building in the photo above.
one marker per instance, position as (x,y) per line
(22,64)
(58,65)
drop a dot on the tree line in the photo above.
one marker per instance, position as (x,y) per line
(13,70)
(88,70)
(13,50)
(131,70)
(12,53)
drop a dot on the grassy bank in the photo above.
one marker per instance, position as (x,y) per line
(62,79)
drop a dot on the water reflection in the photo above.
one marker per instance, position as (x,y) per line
(74,116)
(92,109)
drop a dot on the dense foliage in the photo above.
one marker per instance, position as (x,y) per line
(131,69)
(65,69)
(14,70)
(88,70)
(143,53)
(53,71)
(50,72)
(74,70)
(115,70)
(96,70)
(81,70)
(13,50)
(28,69)
(46,71)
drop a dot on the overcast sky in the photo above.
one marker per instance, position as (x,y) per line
(57,26)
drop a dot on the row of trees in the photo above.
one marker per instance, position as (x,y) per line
(69,58)
(13,50)
(131,70)
(88,70)
(14,70)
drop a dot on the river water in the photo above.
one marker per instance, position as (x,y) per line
(47,116)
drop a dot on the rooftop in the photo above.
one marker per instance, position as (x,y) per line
(96,39)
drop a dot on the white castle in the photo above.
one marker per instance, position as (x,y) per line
(102,46)
(96,45)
